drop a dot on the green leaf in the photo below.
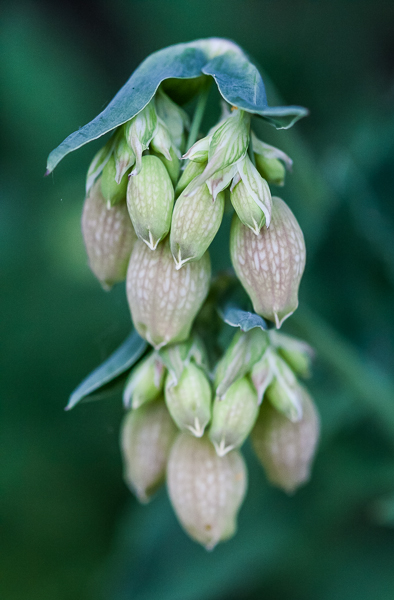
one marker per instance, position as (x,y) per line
(241,84)
(244,319)
(122,359)
(238,80)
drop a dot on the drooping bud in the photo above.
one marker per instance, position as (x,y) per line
(206,491)
(268,161)
(256,187)
(163,301)
(246,208)
(195,222)
(145,382)
(150,199)
(99,161)
(233,417)
(270,265)
(284,392)
(199,151)
(109,237)
(173,166)
(161,141)
(173,116)
(192,170)
(139,132)
(146,439)
(176,357)
(262,374)
(189,402)
(245,350)
(221,180)
(286,449)
(124,158)
(297,353)
(111,190)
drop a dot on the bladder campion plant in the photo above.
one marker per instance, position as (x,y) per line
(156,193)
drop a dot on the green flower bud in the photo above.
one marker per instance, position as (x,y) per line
(189,402)
(139,132)
(199,151)
(150,199)
(124,159)
(206,491)
(234,416)
(177,356)
(271,169)
(109,237)
(173,116)
(192,170)
(270,265)
(195,222)
(112,191)
(146,439)
(145,382)
(173,166)
(286,449)
(99,161)
(221,180)
(161,141)
(262,374)
(256,187)
(245,350)
(297,353)
(284,393)
(246,208)
(163,301)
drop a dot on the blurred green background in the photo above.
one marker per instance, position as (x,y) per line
(70,529)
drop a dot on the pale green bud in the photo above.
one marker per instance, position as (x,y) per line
(173,116)
(262,374)
(270,265)
(146,439)
(246,208)
(297,353)
(245,350)
(221,180)
(177,356)
(286,449)
(173,166)
(256,187)
(161,141)
(268,161)
(109,237)
(206,491)
(124,159)
(234,416)
(99,161)
(284,392)
(150,199)
(189,402)
(164,301)
(199,151)
(192,170)
(195,222)
(112,191)
(145,382)
(139,132)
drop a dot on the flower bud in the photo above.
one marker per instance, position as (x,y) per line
(262,374)
(199,151)
(173,116)
(139,132)
(99,161)
(150,199)
(146,439)
(221,180)
(161,141)
(286,449)
(256,187)
(268,161)
(284,392)
(297,353)
(145,382)
(206,491)
(195,222)
(245,350)
(111,190)
(163,301)
(192,170)
(270,265)
(234,416)
(246,208)
(124,158)
(189,402)
(109,237)
(173,165)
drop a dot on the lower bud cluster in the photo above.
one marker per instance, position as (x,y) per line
(187,425)
(145,222)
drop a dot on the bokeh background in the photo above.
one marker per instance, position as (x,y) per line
(70,528)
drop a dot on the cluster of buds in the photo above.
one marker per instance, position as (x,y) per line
(150,222)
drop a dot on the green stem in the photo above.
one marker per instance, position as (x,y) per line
(250,151)
(198,114)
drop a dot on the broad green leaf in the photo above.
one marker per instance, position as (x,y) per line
(238,80)
(244,319)
(122,359)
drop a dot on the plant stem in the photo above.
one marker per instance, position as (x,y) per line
(198,114)
(250,151)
